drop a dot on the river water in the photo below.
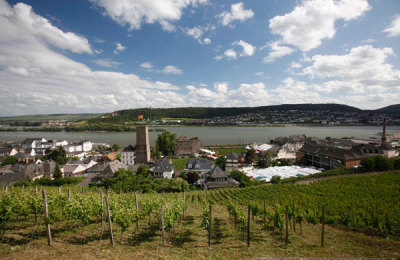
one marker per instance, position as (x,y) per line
(208,135)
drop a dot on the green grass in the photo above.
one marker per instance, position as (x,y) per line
(225,151)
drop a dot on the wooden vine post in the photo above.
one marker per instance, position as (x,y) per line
(69,193)
(102,206)
(23,187)
(184,200)
(137,211)
(59,189)
(36,189)
(46,217)
(265,213)
(209,226)
(248,226)
(287,226)
(162,223)
(323,226)
(109,221)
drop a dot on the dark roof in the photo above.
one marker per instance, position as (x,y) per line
(217,172)
(232,156)
(332,152)
(130,148)
(199,164)
(162,166)
(30,140)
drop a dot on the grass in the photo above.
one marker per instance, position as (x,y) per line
(225,151)
(188,240)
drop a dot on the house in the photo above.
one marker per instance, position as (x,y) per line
(381,149)
(21,172)
(329,157)
(105,170)
(162,169)
(32,142)
(186,146)
(231,161)
(218,178)
(128,155)
(201,166)
(8,151)
(77,168)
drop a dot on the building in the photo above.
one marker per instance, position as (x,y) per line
(218,178)
(8,151)
(128,155)
(201,166)
(186,146)
(383,149)
(329,157)
(105,170)
(142,144)
(21,172)
(231,161)
(162,169)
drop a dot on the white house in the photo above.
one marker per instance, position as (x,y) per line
(128,155)
(163,169)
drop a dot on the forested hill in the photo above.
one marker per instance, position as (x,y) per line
(209,112)
(390,109)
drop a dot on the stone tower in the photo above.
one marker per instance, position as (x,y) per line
(142,144)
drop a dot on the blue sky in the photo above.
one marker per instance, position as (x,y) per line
(75,56)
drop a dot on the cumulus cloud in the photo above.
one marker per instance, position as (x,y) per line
(107,63)
(237,12)
(248,49)
(314,20)
(230,54)
(207,41)
(277,51)
(394,28)
(35,78)
(134,13)
(172,70)
(119,48)
(146,65)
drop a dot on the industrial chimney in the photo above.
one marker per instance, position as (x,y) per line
(383,139)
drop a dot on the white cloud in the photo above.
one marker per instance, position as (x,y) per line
(146,65)
(230,54)
(314,20)
(134,13)
(218,57)
(277,51)
(207,41)
(108,63)
(36,79)
(248,49)
(119,48)
(394,28)
(172,70)
(198,31)
(41,28)
(259,73)
(237,12)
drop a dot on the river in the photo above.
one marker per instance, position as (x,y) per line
(208,135)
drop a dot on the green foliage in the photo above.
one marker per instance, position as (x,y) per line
(10,160)
(115,147)
(241,178)
(179,163)
(206,219)
(377,163)
(275,179)
(59,156)
(57,174)
(251,156)
(166,143)
(266,159)
(220,162)
(60,182)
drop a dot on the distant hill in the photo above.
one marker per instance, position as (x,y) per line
(43,118)
(390,109)
(208,112)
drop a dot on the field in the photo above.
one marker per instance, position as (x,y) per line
(362,220)
(225,151)
(179,163)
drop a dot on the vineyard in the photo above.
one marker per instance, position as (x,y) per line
(343,217)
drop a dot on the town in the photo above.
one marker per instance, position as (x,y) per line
(182,160)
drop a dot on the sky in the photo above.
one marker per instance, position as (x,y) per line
(95,56)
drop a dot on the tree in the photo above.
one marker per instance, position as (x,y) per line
(266,159)
(241,178)
(192,177)
(381,163)
(10,160)
(221,162)
(251,156)
(166,143)
(59,156)
(57,174)
(143,171)
(275,179)
(115,147)
(368,164)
